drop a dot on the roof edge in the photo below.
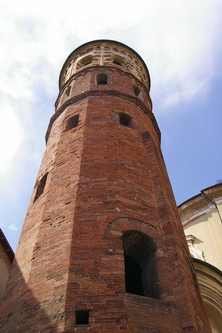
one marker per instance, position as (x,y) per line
(200,194)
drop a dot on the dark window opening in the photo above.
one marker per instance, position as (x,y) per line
(140,264)
(40,186)
(136,90)
(102,78)
(82,317)
(138,93)
(85,61)
(118,60)
(133,276)
(72,122)
(125,120)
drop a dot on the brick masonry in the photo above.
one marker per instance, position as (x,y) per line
(103,179)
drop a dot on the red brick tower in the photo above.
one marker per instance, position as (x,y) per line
(102,247)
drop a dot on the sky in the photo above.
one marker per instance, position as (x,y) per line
(180,42)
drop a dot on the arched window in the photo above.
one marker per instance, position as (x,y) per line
(140,266)
(118,60)
(86,60)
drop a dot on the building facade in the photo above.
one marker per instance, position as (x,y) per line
(201,219)
(102,247)
(6,259)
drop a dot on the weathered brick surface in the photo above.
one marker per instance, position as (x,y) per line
(103,179)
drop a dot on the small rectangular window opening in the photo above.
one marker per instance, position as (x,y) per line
(138,93)
(72,122)
(40,187)
(102,78)
(125,120)
(82,317)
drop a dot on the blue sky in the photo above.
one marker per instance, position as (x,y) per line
(180,41)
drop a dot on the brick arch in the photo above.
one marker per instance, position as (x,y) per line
(114,232)
(137,240)
(118,226)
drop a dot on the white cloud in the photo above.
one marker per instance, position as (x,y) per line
(182,48)
(13,227)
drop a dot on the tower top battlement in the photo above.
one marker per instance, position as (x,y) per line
(105,53)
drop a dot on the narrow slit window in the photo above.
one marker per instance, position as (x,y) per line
(40,187)
(72,122)
(102,78)
(82,317)
(125,120)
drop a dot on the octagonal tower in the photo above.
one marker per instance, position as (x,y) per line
(102,248)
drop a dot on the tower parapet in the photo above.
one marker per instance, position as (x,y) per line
(105,53)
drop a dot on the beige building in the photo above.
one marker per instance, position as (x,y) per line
(6,258)
(201,217)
